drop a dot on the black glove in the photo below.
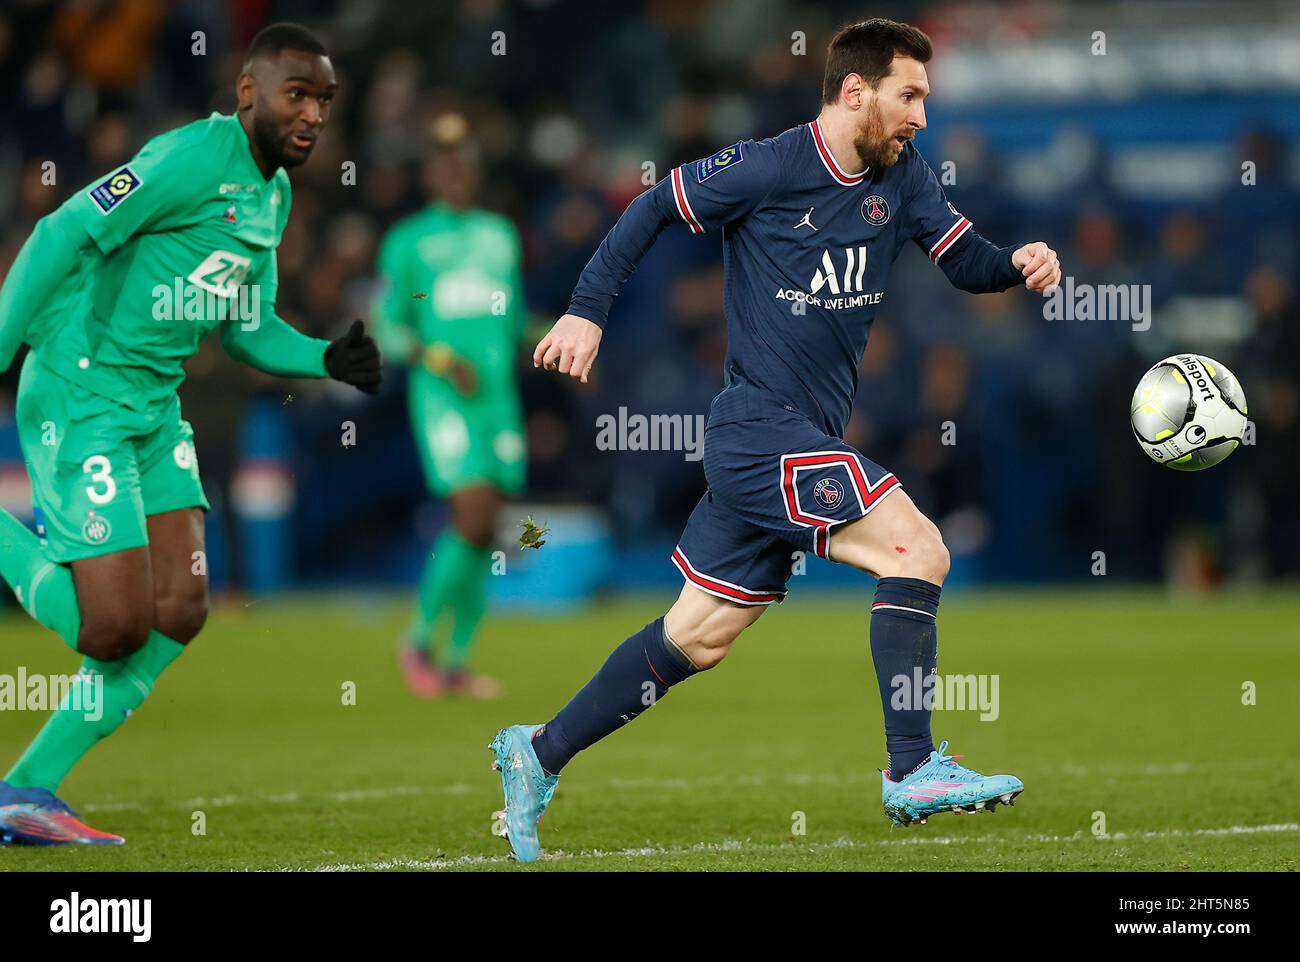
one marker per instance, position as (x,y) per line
(354,359)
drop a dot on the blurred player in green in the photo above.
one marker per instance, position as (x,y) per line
(114,291)
(452,306)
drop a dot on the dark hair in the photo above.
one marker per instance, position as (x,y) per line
(868,49)
(284,36)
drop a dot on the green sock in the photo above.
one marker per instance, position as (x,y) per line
(44,588)
(420,634)
(468,606)
(104,695)
(441,583)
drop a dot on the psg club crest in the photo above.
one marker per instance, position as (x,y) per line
(828,493)
(875,210)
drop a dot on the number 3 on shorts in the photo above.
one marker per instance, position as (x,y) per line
(101,472)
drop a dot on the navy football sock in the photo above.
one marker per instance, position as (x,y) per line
(905,648)
(637,674)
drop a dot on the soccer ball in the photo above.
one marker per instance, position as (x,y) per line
(1189,412)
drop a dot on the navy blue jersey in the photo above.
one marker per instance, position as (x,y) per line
(807,251)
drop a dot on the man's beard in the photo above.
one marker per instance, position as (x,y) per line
(270,143)
(875,147)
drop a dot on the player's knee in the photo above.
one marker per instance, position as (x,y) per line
(931,560)
(476,529)
(942,562)
(113,635)
(181,617)
(917,552)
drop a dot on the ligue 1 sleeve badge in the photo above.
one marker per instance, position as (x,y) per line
(115,189)
(875,210)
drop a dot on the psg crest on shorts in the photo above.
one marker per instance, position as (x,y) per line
(828,492)
(875,210)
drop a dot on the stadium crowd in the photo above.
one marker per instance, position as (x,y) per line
(574,105)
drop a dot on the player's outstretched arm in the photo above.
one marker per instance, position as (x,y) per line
(272,345)
(46,260)
(621,252)
(703,195)
(275,347)
(570,347)
(976,266)
(972,263)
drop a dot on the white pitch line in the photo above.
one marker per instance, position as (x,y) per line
(641,784)
(1165,768)
(466,861)
(285,798)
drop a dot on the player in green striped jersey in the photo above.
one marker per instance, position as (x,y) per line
(452,306)
(114,292)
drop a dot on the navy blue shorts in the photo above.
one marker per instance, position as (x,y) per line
(777,485)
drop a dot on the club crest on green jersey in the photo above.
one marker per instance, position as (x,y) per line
(114,189)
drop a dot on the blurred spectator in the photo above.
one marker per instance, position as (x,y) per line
(579,105)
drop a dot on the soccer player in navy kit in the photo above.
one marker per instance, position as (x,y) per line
(812,221)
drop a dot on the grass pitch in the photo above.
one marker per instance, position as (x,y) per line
(1120,703)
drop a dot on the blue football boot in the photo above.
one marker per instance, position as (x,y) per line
(528,789)
(941,785)
(33,816)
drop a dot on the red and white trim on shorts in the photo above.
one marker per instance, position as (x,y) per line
(829,162)
(951,237)
(684,202)
(868,495)
(722,589)
(886,606)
